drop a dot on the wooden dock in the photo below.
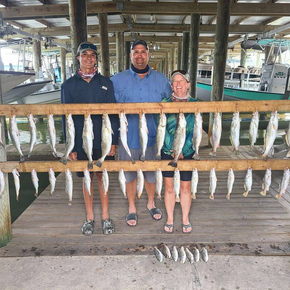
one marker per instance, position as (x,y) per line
(255,225)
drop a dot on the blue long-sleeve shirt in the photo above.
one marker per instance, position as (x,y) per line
(129,88)
(100,89)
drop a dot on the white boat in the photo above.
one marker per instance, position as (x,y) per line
(45,97)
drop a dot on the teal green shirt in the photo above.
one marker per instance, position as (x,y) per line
(171,128)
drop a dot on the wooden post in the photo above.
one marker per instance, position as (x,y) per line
(5,216)
(243,59)
(171,60)
(63,63)
(194,39)
(120,51)
(220,54)
(185,51)
(78,27)
(37,56)
(166,64)
(105,56)
(127,54)
(179,53)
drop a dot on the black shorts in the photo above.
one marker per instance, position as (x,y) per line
(184,175)
(97,153)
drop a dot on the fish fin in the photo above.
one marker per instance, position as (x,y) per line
(99,162)
(142,158)
(211,196)
(173,163)
(279,195)
(245,194)
(263,192)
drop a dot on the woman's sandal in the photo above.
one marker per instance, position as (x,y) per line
(169,226)
(186,227)
(88,227)
(108,226)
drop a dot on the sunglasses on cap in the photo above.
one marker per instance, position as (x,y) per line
(183,72)
(88,46)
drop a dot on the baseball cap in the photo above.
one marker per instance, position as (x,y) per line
(139,41)
(183,73)
(86,46)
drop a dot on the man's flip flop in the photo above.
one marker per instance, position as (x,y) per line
(169,226)
(131,217)
(186,227)
(154,211)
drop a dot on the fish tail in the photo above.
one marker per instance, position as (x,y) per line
(245,194)
(193,196)
(158,156)
(90,165)
(69,202)
(173,163)
(196,156)
(228,196)
(177,199)
(142,158)
(17,198)
(29,154)
(133,161)
(36,194)
(213,154)
(63,160)
(54,154)
(99,162)
(22,158)
(263,192)
(158,196)
(288,154)
(211,196)
(279,195)
(236,151)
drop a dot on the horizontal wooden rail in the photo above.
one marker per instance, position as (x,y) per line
(201,165)
(135,108)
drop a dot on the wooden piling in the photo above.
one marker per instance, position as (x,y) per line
(185,51)
(120,51)
(179,53)
(37,56)
(105,56)
(127,54)
(63,64)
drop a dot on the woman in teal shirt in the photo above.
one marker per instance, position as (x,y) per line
(180,85)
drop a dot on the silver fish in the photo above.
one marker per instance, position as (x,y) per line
(122,181)
(194,183)
(254,126)
(165,251)
(159,181)
(271,134)
(123,134)
(235,132)
(160,134)
(216,133)
(284,183)
(179,139)
(266,181)
(87,181)
(143,133)
(88,137)
(2,183)
(105,181)
(248,182)
(212,183)
(70,138)
(16,182)
(140,183)
(189,255)
(196,254)
(1,141)
(204,255)
(106,138)
(287,139)
(197,135)
(15,136)
(176,184)
(32,128)
(158,255)
(182,255)
(174,254)
(52,134)
(230,183)
(35,180)
(52,180)
(69,185)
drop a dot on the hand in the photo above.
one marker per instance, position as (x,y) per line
(73,156)
(112,151)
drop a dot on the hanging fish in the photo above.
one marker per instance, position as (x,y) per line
(284,183)
(35,180)
(204,255)
(106,139)
(179,139)
(271,134)
(52,134)
(122,181)
(1,141)
(2,183)
(287,139)
(87,181)
(182,255)
(235,132)
(248,182)
(160,134)
(105,181)
(123,134)
(189,255)
(176,184)
(174,254)
(140,183)
(254,126)
(196,254)
(16,182)
(69,185)
(194,183)
(158,254)
(230,183)
(32,128)
(143,133)
(212,183)
(266,181)
(15,136)
(88,137)
(159,181)
(216,133)
(165,251)
(70,138)
(52,180)
(197,135)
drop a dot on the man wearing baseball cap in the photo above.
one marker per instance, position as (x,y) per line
(140,84)
(89,86)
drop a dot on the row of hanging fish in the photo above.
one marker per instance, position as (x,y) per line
(212,183)
(182,254)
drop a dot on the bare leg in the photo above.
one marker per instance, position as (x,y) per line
(131,194)
(169,200)
(185,202)
(104,198)
(89,199)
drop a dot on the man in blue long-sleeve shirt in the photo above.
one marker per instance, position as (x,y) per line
(88,86)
